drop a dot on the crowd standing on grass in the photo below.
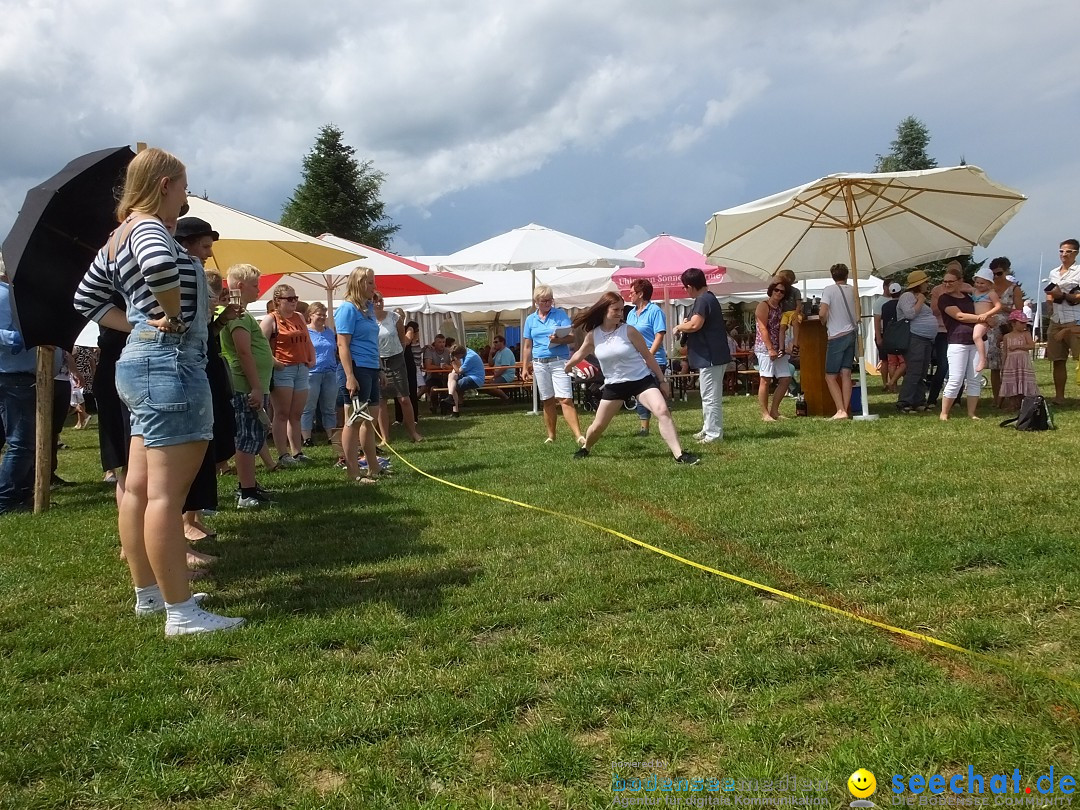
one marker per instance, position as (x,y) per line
(185,379)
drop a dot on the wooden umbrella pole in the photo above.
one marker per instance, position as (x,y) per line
(43,438)
(853,223)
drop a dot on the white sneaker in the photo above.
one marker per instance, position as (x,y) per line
(709,439)
(153,606)
(248,503)
(699,435)
(285,460)
(200,621)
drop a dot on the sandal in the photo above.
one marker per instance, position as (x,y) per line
(366,479)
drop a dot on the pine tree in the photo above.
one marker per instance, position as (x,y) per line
(908,150)
(339,195)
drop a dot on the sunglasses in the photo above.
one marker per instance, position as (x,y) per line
(292,299)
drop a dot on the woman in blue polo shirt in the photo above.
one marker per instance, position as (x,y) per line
(543,354)
(358,348)
(651,324)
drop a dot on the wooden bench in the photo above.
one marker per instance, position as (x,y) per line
(514,386)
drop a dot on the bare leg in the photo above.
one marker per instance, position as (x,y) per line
(845,389)
(979,336)
(604,414)
(368,440)
(778,396)
(763,398)
(296,411)
(995,385)
(550,417)
(132,514)
(267,458)
(245,470)
(382,418)
(281,398)
(170,471)
(569,413)
(833,382)
(972,406)
(408,418)
(452,390)
(655,402)
(350,440)
(1060,377)
(946,406)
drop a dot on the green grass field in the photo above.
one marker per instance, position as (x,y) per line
(412,645)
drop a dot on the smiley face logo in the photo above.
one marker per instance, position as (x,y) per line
(862,784)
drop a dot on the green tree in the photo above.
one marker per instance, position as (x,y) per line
(339,195)
(908,151)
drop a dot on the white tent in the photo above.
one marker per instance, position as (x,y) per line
(499,291)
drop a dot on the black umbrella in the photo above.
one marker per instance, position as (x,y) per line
(62,225)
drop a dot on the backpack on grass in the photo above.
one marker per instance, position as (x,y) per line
(1034,415)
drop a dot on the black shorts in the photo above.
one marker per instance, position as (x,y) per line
(625,390)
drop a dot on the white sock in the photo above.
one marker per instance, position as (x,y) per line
(150,595)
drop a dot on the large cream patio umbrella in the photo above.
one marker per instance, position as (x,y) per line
(273,248)
(880,223)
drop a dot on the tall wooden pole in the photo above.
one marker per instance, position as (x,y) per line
(43,438)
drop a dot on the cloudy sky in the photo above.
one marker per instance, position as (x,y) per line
(612,119)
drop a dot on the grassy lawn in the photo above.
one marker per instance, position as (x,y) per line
(411,645)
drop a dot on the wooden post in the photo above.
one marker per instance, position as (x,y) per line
(43,437)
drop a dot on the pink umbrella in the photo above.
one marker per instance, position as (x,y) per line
(666,257)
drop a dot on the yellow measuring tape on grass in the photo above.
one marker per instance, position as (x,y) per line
(1000,662)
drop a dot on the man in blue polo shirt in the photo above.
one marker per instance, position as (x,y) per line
(468,374)
(17,405)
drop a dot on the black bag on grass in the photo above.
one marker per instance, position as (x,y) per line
(1034,415)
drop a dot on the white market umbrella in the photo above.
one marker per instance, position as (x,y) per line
(880,223)
(535,247)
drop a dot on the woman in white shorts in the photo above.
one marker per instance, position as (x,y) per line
(545,348)
(769,346)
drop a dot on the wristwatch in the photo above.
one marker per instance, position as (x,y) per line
(176,322)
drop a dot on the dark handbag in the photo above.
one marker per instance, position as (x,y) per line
(1034,415)
(896,337)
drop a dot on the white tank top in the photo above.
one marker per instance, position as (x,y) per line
(619,360)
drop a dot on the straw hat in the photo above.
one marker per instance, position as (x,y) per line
(916,277)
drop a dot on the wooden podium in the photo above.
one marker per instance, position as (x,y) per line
(813,343)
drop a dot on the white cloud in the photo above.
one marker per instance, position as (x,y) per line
(744,87)
(633,235)
(716,98)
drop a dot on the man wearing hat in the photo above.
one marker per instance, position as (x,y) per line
(892,365)
(914,306)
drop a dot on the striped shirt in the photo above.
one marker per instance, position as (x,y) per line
(149,261)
